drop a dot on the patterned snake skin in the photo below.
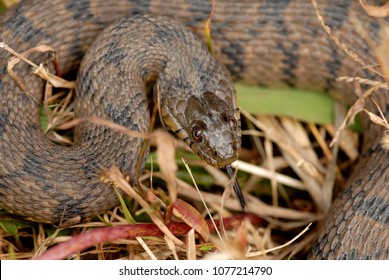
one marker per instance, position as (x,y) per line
(268,43)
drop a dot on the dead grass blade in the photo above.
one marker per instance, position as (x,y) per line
(356,108)
(117,178)
(375,11)
(38,69)
(191,244)
(166,161)
(260,253)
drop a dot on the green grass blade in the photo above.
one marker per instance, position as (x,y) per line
(126,212)
(308,106)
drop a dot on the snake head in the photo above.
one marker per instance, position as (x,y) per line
(208,121)
(213,129)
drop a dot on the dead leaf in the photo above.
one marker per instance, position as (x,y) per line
(240,240)
(192,217)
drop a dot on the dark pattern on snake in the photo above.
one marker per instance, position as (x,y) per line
(270,43)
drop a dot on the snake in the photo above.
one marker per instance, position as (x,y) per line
(126,48)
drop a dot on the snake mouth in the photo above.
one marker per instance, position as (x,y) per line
(218,152)
(219,162)
(227,162)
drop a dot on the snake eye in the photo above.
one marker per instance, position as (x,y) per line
(233,123)
(197,134)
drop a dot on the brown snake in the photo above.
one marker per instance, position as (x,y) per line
(269,43)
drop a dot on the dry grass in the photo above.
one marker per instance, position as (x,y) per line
(288,175)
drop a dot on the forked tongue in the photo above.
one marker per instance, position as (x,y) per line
(237,190)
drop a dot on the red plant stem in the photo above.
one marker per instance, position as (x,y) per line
(106,234)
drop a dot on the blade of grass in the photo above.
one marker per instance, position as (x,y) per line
(308,106)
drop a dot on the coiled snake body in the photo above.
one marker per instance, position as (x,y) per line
(270,43)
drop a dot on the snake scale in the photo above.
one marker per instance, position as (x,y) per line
(268,43)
